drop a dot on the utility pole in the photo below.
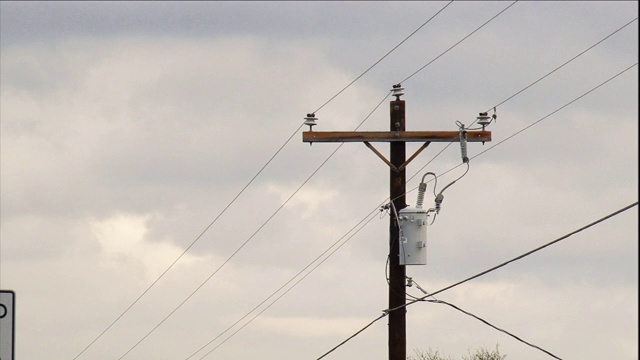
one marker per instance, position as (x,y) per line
(397,137)
(397,274)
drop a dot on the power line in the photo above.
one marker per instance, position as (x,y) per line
(387,311)
(245,187)
(352,336)
(539,120)
(327,159)
(292,286)
(555,111)
(505,140)
(461,40)
(436,301)
(382,58)
(412,177)
(295,132)
(377,207)
(190,245)
(249,239)
(493,326)
(271,159)
(535,82)
(230,257)
(617,212)
(565,63)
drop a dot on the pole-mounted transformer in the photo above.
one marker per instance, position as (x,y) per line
(413,236)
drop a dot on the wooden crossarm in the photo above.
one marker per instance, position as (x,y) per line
(393,136)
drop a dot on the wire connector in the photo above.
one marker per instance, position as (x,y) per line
(439,199)
(409,281)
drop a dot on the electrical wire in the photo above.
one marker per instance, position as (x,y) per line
(493,326)
(296,283)
(561,66)
(422,299)
(296,131)
(230,257)
(430,295)
(412,177)
(246,186)
(352,336)
(533,83)
(387,311)
(536,122)
(553,112)
(454,181)
(362,122)
(382,58)
(429,162)
(526,127)
(190,245)
(461,40)
(607,217)
(436,301)
(250,237)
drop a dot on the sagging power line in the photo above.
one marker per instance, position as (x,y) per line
(387,311)
(388,199)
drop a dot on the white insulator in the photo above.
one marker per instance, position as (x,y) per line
(483,119)
(398,91)
(421,189)
(310,120)
(463,145)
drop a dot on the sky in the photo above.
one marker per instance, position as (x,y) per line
(157,200)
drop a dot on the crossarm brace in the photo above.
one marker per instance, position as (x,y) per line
(393,167)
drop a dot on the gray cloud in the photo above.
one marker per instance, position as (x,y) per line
(128,127)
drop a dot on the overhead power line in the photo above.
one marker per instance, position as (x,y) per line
(565,63)
(229,258)
(543,118)
(436,301)
(607,217)
(493,326)
(387,311)
(533,83)
(557,110)
(247,240)
(461,40)
(445,172)
(385,55)
(317,261)
(296,131)
(190,245)
(385,202)
(244,188)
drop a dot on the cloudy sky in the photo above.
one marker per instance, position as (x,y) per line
(134,131)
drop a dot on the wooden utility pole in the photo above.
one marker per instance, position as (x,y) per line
(397,276)
(397,137)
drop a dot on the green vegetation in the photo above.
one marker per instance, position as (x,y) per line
(479,354)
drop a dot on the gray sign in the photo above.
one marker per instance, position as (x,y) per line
(7,324)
